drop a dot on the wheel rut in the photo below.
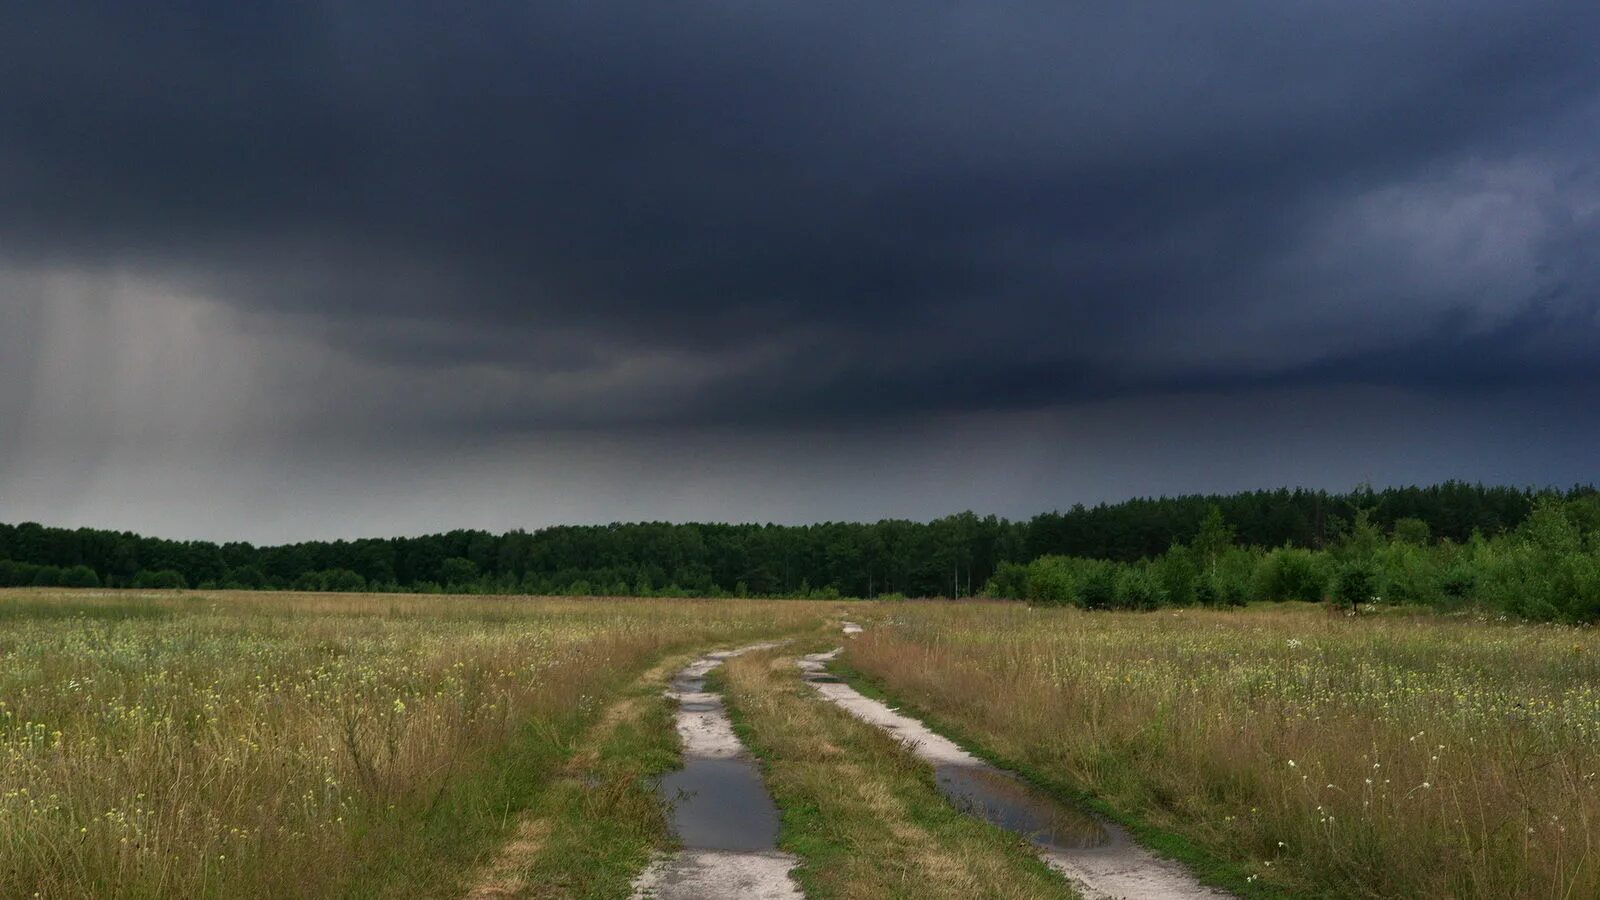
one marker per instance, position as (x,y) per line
(1100,858)
(719,807)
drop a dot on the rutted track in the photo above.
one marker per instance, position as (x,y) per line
(1101,860)
(721,811)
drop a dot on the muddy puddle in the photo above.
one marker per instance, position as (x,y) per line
(977,788)
(721,804)
(718,807)
(1003,800)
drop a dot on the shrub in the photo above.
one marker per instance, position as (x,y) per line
(1354,583)
(309,581)
(1407,573)
(80,577)
(1233,575)
(15,573)
(162,580)
(1412,531)
(458,573)
(1098,589)
(47,576)
(1050,580)
(1457,583)
(1176,572)
(1138,588)
(1010,582)
(343,580)
(1290,573)
(248,577)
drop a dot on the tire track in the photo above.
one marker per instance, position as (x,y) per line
(1100,858)
(720,809)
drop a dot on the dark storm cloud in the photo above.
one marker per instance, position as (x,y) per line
(700,212)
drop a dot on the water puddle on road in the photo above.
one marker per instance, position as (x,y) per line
(720,804)
(970,784)
(1003,800)
(1100,858)
(717,801)
(690,681)
(718,807)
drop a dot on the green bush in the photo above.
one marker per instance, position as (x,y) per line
(1412,531)
(1176,572)
(458,573)
(47,576)
(1233,575)
(1051,580)
(1138,588)
(1290,573)
(1408,574)
(1457,584)
(248,577)
(1097,587)
(1009,582)
(310,581)
(1355,582)
(343,580)
(80,577)
(15,574)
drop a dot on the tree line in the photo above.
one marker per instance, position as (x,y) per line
(956,555)
(1546,568)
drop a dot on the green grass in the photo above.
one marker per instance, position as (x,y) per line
(444,835)
(579,780)
(1164,842)
(597,826)
(862,813)
(216,745)
(1288,749)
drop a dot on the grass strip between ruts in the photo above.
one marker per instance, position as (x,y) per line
(862,813)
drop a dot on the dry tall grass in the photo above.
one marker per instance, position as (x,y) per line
(1379,757)
(248,745)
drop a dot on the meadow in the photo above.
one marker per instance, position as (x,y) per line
(1288,749)
(222,744)
(256,745)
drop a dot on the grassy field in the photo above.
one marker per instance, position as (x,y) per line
(230,745)
(1311,754)
(204,744)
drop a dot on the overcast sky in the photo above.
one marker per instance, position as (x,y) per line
(287,270)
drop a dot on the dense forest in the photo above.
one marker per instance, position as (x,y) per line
(957,555)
